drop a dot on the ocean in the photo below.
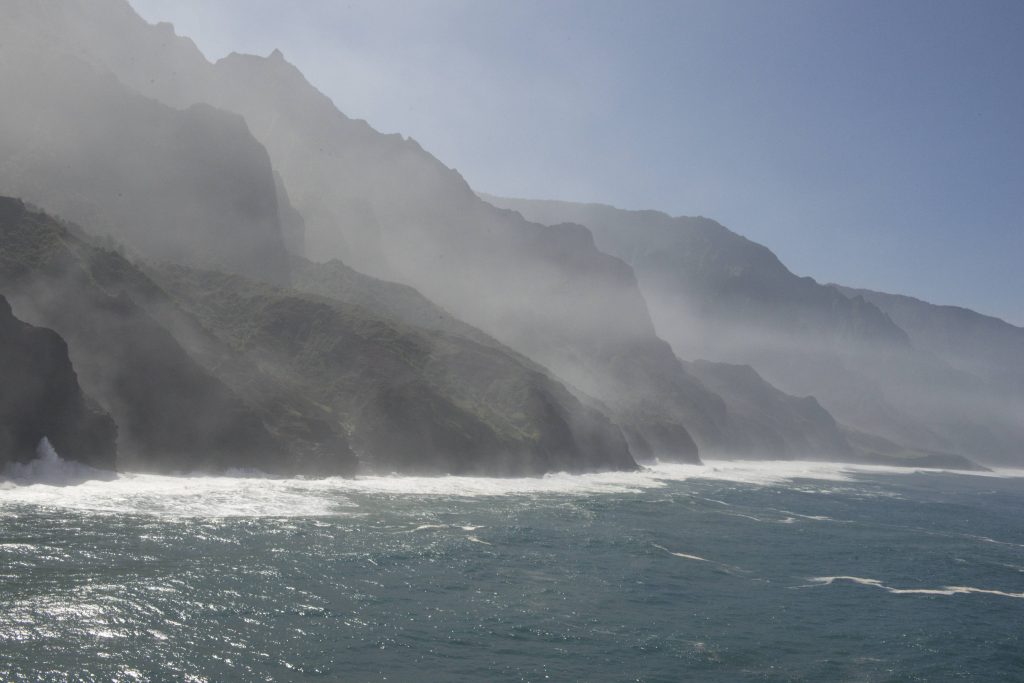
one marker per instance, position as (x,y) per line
(731,571)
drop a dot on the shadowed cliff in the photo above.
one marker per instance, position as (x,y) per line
(205,370)
(412,399)
(40,397)
(187,184)
(172,414)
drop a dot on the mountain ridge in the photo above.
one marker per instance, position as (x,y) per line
(568,300)
(717,295)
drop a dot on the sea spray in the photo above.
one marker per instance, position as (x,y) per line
(252,494)
(49,469)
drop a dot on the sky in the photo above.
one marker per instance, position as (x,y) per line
(872,143)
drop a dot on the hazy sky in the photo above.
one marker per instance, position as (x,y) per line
(877,144)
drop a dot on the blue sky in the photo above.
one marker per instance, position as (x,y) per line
(876,144)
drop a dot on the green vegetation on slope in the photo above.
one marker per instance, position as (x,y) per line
(172,414)
(413,400)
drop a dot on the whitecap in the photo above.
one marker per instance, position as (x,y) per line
(945,590)
(47,482)
(686,556)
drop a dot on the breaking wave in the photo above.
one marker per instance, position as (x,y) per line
(53,482)
(50,469)
(945,590)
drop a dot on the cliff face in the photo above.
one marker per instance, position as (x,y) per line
(412,399)
(40,397)
(128,129)
(206,370)
(172,414)
(188,185)
(385,206)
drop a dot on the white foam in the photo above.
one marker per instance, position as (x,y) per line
(685,556)
(50,468)
(426,527)
(48,482)
(181,496)
(945,590)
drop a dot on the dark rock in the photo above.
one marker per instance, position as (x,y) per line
(40,397)
(172,413)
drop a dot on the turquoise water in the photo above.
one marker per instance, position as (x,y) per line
(733,572)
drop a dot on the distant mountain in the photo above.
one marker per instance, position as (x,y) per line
(40,397)
(776,425)
(982,400)
(714,294)
(710,285)
(978,344)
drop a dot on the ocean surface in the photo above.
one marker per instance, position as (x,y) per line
(733,571)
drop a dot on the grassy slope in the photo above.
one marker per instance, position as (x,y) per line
(413,399)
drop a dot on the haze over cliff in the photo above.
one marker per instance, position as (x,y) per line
(875,364)
(247,277)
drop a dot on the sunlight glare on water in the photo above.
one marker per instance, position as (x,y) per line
(756,571)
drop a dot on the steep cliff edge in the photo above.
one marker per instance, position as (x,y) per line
(383,205)
(206,370)
(172,414)
(189,184)
(40,397)
(413,400)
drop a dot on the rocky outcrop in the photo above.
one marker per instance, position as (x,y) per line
(40,397)
(172,414)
